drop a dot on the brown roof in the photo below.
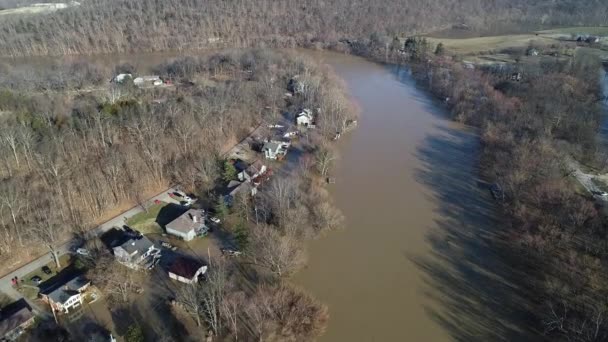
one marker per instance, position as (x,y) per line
(256,167)
(185,267)
(10,321)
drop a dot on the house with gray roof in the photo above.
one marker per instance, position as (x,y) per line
(137,254)
(187,225)
(66,295)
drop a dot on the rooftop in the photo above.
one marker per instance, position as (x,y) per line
(13,316)
(188,221)
(64,291)
(272,146)
(256,167)
(140,245)
(185,267)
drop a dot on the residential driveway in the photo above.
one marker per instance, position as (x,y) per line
(118,221)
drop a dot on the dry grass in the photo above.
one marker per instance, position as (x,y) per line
(601,31)
(478,45)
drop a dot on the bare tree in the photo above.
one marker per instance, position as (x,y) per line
(280,254)
(13,197)
(47,229)
(324,158)
(190,298)
(114,279)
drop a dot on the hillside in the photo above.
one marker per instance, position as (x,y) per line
(108,26)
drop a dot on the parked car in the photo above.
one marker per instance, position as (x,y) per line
(36,280)
(497,192)
(215,220)
(168,246)
(46,270)
(230,252)
(82,251)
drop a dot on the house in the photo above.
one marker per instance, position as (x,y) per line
(468,65)
(290,134)
(187,225)
(144,81)
(532,52)
(235,188)
(137,253)
(186,270)
(251,172)
(592,39)
(14,319)
(275,149)
(121,78)
(516,76)
(305,118)
(66,295)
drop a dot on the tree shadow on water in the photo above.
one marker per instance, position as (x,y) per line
(475,286)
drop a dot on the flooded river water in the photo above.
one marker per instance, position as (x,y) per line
(414,262)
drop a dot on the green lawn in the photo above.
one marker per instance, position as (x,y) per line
(146,222)
(157,216)
(30,289)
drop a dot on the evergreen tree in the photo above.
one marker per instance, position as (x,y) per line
(440,50)
(229,171)
(221,207)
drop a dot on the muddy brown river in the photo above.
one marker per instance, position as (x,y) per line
(414,262)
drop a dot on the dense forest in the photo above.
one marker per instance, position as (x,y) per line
(530,128)
(71,158)
(108,26)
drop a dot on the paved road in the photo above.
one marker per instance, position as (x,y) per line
(118,221)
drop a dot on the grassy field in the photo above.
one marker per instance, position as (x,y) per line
(491,45)
(146,222)
(478,45)
(157,216)
(601,31)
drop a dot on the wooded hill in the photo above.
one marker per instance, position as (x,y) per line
(108,26)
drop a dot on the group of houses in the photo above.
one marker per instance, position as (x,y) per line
(141,81)
(142,254)
(249,177)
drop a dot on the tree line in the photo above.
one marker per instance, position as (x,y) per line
(111,26)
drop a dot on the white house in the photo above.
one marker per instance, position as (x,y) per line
(187,225)
(67,295)
(137,253)
(275,149)
(147,81)
(186,270)
(121,78)
(305,118)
